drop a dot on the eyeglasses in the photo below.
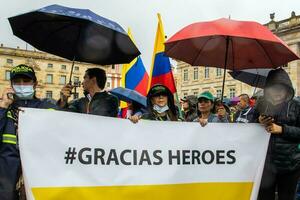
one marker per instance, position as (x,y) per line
(160,94)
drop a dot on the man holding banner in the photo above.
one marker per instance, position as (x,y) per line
(97,101)
(21,94)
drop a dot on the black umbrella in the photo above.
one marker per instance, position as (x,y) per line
(75,34)
(253,77)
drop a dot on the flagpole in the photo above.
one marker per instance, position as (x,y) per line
(179,106)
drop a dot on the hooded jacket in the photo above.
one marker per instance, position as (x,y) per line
(284,149)
(151,115)
(10,164)
(191,114)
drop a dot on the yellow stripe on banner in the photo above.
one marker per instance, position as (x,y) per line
(192,191)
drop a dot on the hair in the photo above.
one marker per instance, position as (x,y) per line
(99,74)
(245,97)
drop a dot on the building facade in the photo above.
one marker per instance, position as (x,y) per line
(52,72)
(192,80)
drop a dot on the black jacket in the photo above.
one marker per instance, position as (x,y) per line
(102,103)
(284,149)
(10,164)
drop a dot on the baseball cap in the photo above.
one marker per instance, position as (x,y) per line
(22,70)
(206,95)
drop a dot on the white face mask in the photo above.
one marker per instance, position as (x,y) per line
(160,109)
(24,91)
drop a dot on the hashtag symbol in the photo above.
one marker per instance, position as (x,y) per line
(70,155)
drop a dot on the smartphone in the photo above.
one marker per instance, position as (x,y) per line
(266,116)
(11,96)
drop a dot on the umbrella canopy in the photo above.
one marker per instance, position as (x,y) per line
(129,95)
(234,101)
(229,44)
(254,77)
(75,34)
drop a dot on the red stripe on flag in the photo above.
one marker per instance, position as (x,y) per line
(143,84)
(166,80)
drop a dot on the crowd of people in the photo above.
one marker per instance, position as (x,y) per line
(277,111)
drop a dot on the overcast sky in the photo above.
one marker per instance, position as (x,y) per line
(140,15)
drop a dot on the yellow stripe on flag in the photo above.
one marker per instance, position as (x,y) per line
(191,191)
(159,44)
(126,67)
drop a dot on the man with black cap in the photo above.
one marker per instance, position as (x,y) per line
(20,94)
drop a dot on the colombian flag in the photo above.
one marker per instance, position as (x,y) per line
(134,74)
(161,71)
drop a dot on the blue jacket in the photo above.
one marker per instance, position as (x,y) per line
(10,165)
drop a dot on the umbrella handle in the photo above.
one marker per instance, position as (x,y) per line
(225,66)
(70,79)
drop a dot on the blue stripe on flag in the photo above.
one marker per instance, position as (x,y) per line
(135,74)
(162,64)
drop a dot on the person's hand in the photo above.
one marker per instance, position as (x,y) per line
(221,112)
(6,101)
(265,120)
(274,128)
(66,92)
(134,119)
(203,122)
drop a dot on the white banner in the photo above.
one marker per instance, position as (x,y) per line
(78,156)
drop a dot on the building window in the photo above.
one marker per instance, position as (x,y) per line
(49,78)
(63,67)
(10,61)
(108,84)
(113,67)
(7,75)
(62,80)
(50,66)
(206,72)
(185,94)
(76,79)
(219,93)
(76,68)
(185,75)
(196,70)
(195,93)
(219,72)
(49,94)
(232,92)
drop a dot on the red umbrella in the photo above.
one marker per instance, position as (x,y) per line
(247,45)
(229,44)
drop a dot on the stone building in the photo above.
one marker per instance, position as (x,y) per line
(194,80)
(53,72)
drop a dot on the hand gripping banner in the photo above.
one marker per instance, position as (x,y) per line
(77,157)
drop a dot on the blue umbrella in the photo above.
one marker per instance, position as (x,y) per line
(253,77)
(129,95)
(75,34)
